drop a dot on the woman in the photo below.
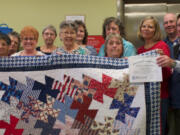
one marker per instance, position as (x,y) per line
(29,38)
(15,42)
(82,35)
(114,25)
(5,42)
(113,46)
(68,34)
(149,32)
(49,35)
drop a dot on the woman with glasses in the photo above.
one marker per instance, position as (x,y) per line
(113,46)
(49,35)
(29,39)
(68,33)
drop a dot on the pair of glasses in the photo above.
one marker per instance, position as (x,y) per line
(47,34)
(69,33)
(30,39)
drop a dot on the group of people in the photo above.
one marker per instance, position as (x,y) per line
(73,35)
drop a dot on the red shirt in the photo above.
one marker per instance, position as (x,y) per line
(166,72)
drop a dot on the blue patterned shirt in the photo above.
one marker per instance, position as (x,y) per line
(170,44)
(80,50)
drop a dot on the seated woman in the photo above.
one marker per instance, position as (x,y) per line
(49,35)
(68,34)
(82,35)
(29,38)
(113,46)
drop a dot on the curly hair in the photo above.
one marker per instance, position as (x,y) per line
(69,24)
(27,30)
(117,21)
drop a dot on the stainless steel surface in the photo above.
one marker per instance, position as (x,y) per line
(174,8)
(150,1)
(120,9)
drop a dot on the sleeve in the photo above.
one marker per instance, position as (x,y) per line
(165,49)
(129,49)
(166,70)
(101,51)
(92,50)
(177,67)
(84,51)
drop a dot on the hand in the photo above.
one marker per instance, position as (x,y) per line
(160,51)
(59,53)
(165,61)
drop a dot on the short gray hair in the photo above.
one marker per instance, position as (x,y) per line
(51,27)
(69,24)
(110,36)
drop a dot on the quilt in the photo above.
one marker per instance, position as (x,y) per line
(75,95)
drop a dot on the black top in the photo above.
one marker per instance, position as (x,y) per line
(39,49)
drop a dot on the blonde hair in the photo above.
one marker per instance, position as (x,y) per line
(157,34)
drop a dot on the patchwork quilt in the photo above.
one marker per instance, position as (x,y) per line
(75,95)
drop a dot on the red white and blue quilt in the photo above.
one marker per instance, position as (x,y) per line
(75,95)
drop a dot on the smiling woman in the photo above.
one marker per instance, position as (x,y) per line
(68,33)
(29,38)
(49,35)
(82,35)
(149,32)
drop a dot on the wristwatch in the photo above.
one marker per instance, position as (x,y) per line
(174,64)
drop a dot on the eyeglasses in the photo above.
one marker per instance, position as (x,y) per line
(28,38)
(68,33)
(47,34)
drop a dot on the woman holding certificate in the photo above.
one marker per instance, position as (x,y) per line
(149,32)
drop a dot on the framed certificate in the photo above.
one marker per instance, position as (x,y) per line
(75,17)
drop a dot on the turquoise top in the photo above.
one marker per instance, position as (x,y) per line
(129,49)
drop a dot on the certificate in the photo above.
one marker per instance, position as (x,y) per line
(144,69)
(75,17)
